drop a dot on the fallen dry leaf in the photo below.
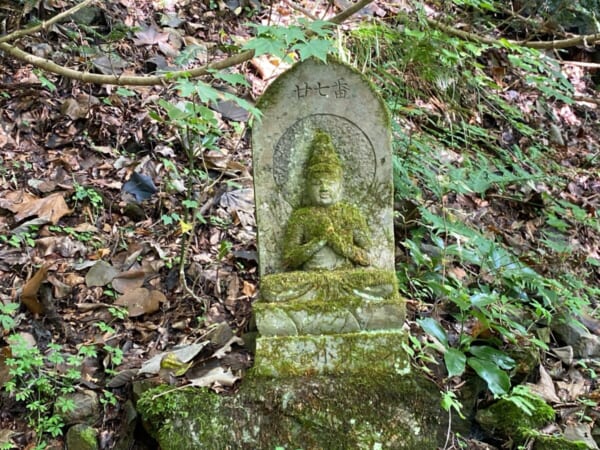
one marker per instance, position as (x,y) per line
(63,245)
(268,66)
(31,288)
(100,274)
(184,354)
(74,110)
(4,369)
(128,281)
(50,208)
(12,200)
(61,289)
(150,36)
(220,354)
(6,436)
(545,387)
(73,279)
(249,289)
(141,301)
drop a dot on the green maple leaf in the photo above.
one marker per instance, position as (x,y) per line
(290,34)
(318,48)
(266,46)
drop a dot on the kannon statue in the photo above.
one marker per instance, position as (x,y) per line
(326,247)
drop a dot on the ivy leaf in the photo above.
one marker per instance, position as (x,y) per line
(455,362)
(494,355)
(482,299)
(434,329)
(173,111)
(319,48)
(497,380)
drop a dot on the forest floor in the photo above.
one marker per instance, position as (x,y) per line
(94,222)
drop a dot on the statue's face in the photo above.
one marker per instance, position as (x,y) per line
(324,190)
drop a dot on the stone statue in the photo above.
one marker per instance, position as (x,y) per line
(326,234)
(327,241)
(322,165)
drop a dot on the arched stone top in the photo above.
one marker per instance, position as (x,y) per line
(337,99)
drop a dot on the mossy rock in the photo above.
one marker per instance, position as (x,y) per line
(557,443)
(345,412)
(82,437)
(507,419)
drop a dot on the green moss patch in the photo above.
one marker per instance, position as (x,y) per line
(351,353)
(345,412)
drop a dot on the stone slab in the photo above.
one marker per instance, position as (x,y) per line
(328,317)
(338,100)
(350,353)
(378,411)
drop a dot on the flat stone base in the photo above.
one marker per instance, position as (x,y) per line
(350,353)
(374,411)
(343,315)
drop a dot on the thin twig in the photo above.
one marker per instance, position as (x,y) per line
(587,40)
(586,99)
(300,9)
(44,25)
(588,65)
(338,19)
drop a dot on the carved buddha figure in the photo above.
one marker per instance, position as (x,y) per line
(326,234)
(327,241)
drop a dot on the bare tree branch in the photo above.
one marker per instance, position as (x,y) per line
(45,24)
(148,80)
(588,39)
(131,80)
(338,19)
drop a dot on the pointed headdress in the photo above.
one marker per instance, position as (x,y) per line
(323,160)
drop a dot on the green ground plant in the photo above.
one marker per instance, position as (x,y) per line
(40,380)
(444,152)
(89,195)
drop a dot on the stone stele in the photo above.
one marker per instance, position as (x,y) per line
(337,99)
(330,370)
(317,320)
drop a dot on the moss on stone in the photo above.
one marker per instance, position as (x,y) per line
(356,354)
(82,437)
(358,412)
(328,285)
(557,443)
(508,419)
(387,116)
(166,411)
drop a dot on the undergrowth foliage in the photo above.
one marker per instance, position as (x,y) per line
(452,169)
(471,144)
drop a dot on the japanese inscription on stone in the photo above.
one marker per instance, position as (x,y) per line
(339,88)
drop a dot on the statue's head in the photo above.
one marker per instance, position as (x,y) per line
(323,172)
